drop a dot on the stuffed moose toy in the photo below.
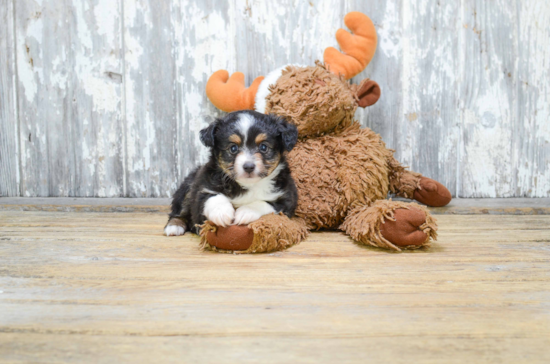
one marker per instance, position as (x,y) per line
(343,173)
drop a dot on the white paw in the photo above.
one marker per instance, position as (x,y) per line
(174,230)
(219,210)
(245,215)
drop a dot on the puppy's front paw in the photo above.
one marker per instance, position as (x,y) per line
(222,217)
(174,230)
(219,210)
(245,215)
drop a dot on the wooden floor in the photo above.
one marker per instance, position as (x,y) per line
(108,288)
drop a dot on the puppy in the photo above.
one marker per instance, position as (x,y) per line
(245,178)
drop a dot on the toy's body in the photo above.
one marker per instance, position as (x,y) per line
(337,172)
(343,173)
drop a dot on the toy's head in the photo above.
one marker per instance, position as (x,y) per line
(317,99)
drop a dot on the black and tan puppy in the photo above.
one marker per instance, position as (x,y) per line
(245,178)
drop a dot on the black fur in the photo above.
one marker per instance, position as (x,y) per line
(289,134)
(215,177)
(207,134)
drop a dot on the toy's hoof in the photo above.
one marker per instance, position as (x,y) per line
(432,193)
(234,237)
(404,231)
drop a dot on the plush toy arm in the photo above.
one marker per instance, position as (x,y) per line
(358,48)
(269,233)
(229,93)
(409,184)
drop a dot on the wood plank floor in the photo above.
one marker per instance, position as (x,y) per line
(108,287)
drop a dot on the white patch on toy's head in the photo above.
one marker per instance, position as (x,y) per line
(263,90)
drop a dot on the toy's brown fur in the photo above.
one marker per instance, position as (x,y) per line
(341,171)
(364,224)
(316,100)
(271,233)
(333,174)
(351,166)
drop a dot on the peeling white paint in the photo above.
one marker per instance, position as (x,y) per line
(104,93)
(105,21)
(83,33)
(28,46)
(389,35)
(472,110)
(208,38)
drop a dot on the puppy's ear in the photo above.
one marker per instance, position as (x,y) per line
(288,132)
(207,135)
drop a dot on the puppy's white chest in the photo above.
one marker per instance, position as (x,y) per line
(261,191)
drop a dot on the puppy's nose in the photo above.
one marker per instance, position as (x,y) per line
(249,167)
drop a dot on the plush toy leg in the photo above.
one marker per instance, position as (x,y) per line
(267,234)
(408,184)
(391,225)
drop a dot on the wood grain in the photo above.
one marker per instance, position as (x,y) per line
(110,94)
(489,98)
(531,147)
(151,102)
(70,75)
(9,147)
(386,68)
(428,128)
(77,286)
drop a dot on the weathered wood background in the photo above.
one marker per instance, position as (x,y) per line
(105,97)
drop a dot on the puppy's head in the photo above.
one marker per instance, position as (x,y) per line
(249,146)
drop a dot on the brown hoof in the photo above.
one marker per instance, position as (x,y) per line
(432,193)
(234,237)
(404,231)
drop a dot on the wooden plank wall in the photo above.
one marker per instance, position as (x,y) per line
(9,148)
(105,98)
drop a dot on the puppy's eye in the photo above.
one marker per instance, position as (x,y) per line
(263,147)
(234,149)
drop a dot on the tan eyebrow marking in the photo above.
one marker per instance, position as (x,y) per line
(260,138)
(235,139)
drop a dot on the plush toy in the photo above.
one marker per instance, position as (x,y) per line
(343,172)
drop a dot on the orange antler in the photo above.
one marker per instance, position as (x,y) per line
(231,95)
(358,48)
